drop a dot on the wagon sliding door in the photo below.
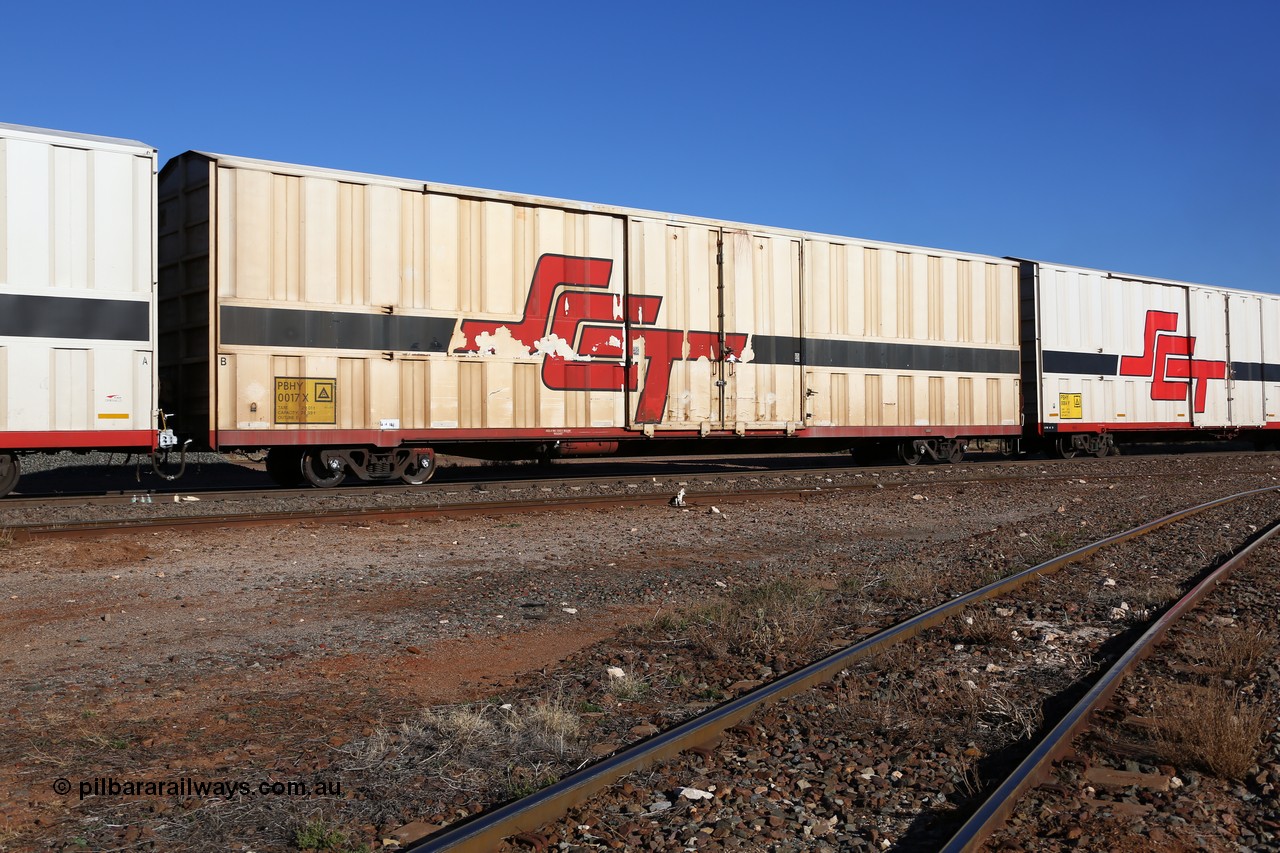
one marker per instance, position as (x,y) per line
(713,324)
(1203,365)
(1245,391)
(760,371)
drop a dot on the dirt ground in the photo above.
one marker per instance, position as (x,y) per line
(257,653)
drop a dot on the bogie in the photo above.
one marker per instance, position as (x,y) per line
(9,472)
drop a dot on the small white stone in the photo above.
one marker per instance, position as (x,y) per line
(895,775)
(570,610)
(1004,611)
(1175,783)
(1109,582)
(722,584)
(715,510)
(616,672)
(917,497)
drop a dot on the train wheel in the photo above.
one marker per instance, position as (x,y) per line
(9,471)
(1064,448)
(956,453)
(420,469)
(909,453)
(284,466)
(322,474)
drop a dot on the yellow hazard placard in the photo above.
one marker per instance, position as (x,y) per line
(302,400)
(1071,407)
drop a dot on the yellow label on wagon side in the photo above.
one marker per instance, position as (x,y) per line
(303,400)
(1071,407)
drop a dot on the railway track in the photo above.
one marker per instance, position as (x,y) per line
(249,486)
(361,504)
(534,819)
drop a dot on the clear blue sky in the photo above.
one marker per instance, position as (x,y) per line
(1134,136)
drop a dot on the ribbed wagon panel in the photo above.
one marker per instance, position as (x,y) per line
(1119,352)
(930,338)
(380,277)
(470,315)
(77,273)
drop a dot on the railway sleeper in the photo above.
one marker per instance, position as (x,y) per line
(939,450)
(328,467)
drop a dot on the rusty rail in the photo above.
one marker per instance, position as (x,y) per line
(486,830)
(1035,768)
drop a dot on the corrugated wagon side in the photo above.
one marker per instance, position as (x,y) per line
(910,346)
(353,323)
(77,282)
(1110,355)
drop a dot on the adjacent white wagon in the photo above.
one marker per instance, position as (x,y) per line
(1111,354)
(77,285)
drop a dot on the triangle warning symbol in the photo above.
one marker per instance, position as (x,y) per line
(324,394)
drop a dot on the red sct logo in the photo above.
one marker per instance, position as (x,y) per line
(584,335)
(1167,359)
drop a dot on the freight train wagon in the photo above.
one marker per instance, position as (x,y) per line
(77,285)
(1110,356)
(351,323)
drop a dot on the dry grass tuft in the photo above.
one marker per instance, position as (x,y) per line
(1243,652)
(980,626)
(484,751)
(319,835)
(1212,728)
(1004,712)
(779,617)
(904,580)
(628,687)
(669,622)
(1154,595)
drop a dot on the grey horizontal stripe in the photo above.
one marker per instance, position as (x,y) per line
(74,317)
(768,349)
(1081,363)
(876,355)
(286,328)
(1253,371)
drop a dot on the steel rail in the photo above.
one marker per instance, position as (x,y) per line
(731,469)
(71,529)
(486,830)
(34,530)
(1035,768)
